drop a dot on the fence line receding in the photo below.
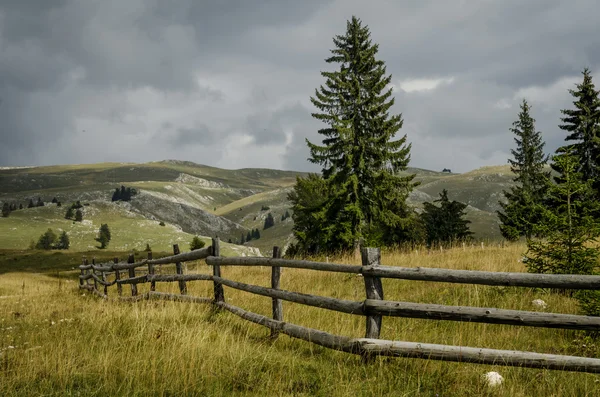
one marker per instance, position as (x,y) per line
(373,308)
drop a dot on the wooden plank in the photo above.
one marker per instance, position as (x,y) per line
(117,278)
(151,272)
(178,277)
(338,305)
(134,280)
(275,284)
(566,281)
(258,261)
(179,298)
(180,270)
(479,356)
(218,288)
(317,337)
(134,290)
(136,298)
(482,315)
(81,279)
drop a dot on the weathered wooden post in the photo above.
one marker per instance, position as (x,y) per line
(218,287)
(82,272)
(151,271)
(275,281)
(179,269)
(104,283)
(371,258)
(118,277)
(131,259)
(94,273)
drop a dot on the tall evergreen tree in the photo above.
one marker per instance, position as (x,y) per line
(249,236)
(30,205)
(359,158)
(78,216)
(444,224)
(70,213)
(583,127)
(520,213)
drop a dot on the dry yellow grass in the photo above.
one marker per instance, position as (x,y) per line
(68,343)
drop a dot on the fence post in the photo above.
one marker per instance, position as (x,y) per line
(179,270)
(118,277)
(105,286)
(371,258)
(82,272)
(218,287)
(151,271)
(131,259)
(277,304)
(94,273)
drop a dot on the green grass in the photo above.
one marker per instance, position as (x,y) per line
(65,342)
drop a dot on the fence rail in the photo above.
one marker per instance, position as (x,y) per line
(374,307)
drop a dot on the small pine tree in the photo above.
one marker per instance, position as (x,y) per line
(40,203)
(229,241)
(70,213)
(30,205)
(59,204)
(444,224)
(196,243)
(116,195)
(148,249)
(249,236)
(568,225)
(21,206)
(63,241)
(46,240)
(103,236)
(161,223)
(54,200)
(269,221)
(5,210)
(78,216)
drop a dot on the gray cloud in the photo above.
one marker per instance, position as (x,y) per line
(228,83)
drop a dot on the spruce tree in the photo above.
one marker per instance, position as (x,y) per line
(63,241)
(269,221)
(70,213)
(78,216)
(30,205)
(568,225)
(583,127)
(20,206)
(359,158)
(5,210)
(104,236)
(249,236)
(196,243)
(46,240)
(40,203)
(444,224)
(519,213)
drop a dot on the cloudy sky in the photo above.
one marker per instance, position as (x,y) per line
(227,83)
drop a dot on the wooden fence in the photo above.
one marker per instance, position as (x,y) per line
(374,307)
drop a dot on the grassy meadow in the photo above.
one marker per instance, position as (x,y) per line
(58,340)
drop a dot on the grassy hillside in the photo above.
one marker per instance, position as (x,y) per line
(199,199)
(54,340)
(129,230)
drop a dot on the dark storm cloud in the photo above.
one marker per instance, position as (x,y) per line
(163,79)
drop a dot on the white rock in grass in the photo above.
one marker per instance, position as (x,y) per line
(493,379)
(539,303)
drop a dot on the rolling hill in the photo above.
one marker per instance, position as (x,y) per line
(194,199)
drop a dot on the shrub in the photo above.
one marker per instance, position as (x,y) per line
(196,243)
